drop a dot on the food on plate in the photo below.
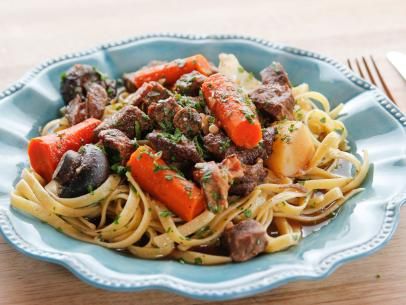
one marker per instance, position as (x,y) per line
(188,161)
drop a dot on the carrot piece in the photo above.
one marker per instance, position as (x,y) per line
(181,196)
(170,72)
(45,152)
(235,112)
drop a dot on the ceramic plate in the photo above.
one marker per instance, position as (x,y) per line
(364,225)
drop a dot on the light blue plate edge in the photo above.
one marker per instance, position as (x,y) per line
(173,284)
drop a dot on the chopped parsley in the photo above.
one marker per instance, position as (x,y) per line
(198,261)
(90,189)
(181,260)
(63,76)
(292,128)
(110,91)
(323,120)
(241,69)
(137,128)
(165,213)
(247,213)
(202,232)
(169,177)
(188,190)
(286,139)
(119,169)
(339,131)
(249,115)
(199,147)
(59,229)
(175,138)
(225,145)
(158,167)
(115,221)
(169,230)
(206,176)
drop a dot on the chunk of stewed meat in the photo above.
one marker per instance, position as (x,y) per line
(220,146)
(215,179)
(149,93)
(174,149)
(76,111)
(130,120)
(190,83)
(96,100)
(163,112)
(245,240)
(76,80)
(117,143)
(188,121)
(268,135)
(253,175)
(275,74)
(274,100)
(93,106)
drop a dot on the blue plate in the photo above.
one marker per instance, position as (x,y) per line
(364,225)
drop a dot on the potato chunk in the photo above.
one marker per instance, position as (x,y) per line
(292,149)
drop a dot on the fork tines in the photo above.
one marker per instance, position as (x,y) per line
(363,68)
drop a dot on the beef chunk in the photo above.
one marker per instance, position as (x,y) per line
(268,137)
(245,240)
(76,80)
(253,175)
(163,112)
(130,120)
(149,93)
(188,121)
(274,97)
(96,100)
(76,111)
(93,107)
(116,141)
(274,100)
(275,74)
(220,146)
(128,82)
(215,179)
(174,148)
(190,83)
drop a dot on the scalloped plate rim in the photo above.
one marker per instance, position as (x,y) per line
(171,283)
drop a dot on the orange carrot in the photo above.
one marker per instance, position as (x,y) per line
(45,152)
(181,196)
(170,72)
(235,112)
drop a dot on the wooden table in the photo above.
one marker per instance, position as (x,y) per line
(32,31)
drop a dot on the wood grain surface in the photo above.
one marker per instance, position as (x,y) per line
(32,31)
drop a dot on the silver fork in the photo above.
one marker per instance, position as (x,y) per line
(364,70)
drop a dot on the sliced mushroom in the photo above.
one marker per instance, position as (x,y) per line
(79,173)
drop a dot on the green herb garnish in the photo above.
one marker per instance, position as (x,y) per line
(198,261)
(247,213)
(165,213)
